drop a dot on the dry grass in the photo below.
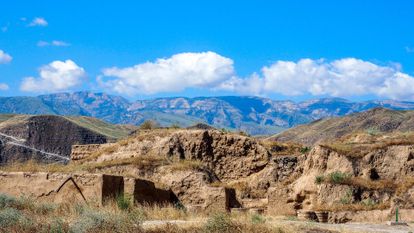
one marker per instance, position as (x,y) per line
(148,162)
(400,186)
(163,212)
(404,185)
(33,166)
(351,149)
(185,165)
(142,162)
(282,149)
(352,207)
(370,184)
(26,215)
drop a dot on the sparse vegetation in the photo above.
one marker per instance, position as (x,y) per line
(278,148)
(149,125)
(347,198)
(338,177)
(257,219)
(220,223)
(319,179)
(305,150)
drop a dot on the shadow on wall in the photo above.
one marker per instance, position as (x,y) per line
(145,192)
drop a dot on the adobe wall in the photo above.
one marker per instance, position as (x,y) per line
(280,202)
(61,187)
(80,152)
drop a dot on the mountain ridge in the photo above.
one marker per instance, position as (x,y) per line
(255,115)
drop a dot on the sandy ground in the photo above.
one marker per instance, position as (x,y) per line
(346,227)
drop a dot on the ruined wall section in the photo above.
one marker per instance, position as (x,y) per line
(61,187)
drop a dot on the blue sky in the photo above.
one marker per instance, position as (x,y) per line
(279,49)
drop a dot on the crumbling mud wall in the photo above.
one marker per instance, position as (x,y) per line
(61,187)
(146,192)
(80,152)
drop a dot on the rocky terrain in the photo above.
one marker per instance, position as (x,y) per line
(375,121)
(350,175)
(255,115)
(50,138)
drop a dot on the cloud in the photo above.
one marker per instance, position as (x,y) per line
(56,76)
(348,77)
(38,21)
(174,74)
(4,87)
(4,57)
(56,43)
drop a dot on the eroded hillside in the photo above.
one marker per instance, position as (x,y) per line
(49,138)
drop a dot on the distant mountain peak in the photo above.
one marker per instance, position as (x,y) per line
(255,115)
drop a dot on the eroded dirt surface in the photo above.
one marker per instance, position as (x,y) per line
(304,226)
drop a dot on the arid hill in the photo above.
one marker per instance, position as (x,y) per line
(378,120)
(50,138)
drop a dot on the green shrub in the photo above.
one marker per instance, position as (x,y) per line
(304,150)
(319,179)
(368,202)
(219,223)
(7,201)
(258,219)
(347,199)
(45,208)
(123,203)
(9,217)
(92,220)
(58,226)
(338,177)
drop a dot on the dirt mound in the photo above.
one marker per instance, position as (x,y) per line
(378,120)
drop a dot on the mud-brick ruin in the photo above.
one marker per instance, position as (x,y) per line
(61,187)
(99,189)
(233,173)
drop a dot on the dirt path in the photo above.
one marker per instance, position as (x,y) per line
(351,227)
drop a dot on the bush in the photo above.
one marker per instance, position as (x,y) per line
(58,226)
(347,199)
(94,221)
(304,150)
(319,179)
(258,219)
(123,203)
(338,177)
(368,202)
(7,201)
(9,217)
(148,125)
(219,223)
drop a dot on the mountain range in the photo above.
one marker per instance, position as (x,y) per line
(255,115)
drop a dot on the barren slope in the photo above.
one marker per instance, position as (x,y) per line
(378,120)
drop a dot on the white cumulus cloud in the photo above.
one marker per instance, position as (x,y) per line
(174,74)
(4,87)
(56,76)
(38,21)
(4,57)
(347,77)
